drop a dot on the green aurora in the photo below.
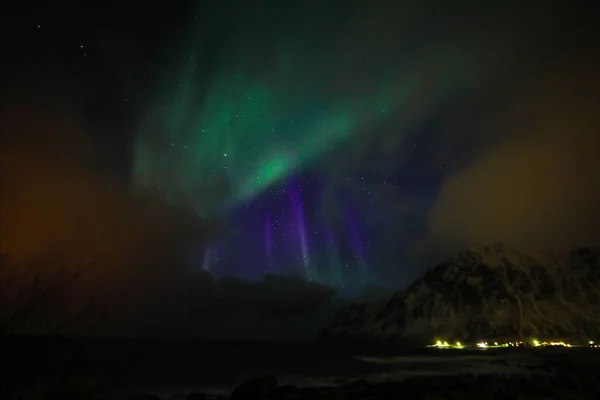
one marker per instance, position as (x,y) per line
(217,137)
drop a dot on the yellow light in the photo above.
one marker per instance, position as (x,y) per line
(536,343)
(591,342)
(458,344)
(495,343)
(563,344)
(482,345)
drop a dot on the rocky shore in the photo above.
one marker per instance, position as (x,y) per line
(581,385)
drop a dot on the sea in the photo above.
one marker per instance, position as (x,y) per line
(133,367)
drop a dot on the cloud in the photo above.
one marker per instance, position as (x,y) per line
(537,185)
(184,305)
(230,308)
(54,199)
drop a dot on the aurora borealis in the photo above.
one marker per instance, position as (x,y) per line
(252,129)
(348,144)
(256,121)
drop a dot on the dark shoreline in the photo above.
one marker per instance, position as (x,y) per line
(580,385)
(125,369)
(566,385)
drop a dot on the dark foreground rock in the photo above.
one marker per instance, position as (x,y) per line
(485,292)
(256,388)
(580,386)
(489,387)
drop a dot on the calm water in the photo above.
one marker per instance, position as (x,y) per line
(182,366)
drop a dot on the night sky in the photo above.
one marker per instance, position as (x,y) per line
(346,143)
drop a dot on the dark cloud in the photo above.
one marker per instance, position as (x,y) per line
(228,308)
(60,210)
(55,198)
(535,183)
(175,305)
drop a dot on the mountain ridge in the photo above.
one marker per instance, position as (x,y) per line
(485,291)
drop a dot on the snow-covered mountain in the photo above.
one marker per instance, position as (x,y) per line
(486,292)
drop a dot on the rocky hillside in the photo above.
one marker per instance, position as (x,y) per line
(486,292)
